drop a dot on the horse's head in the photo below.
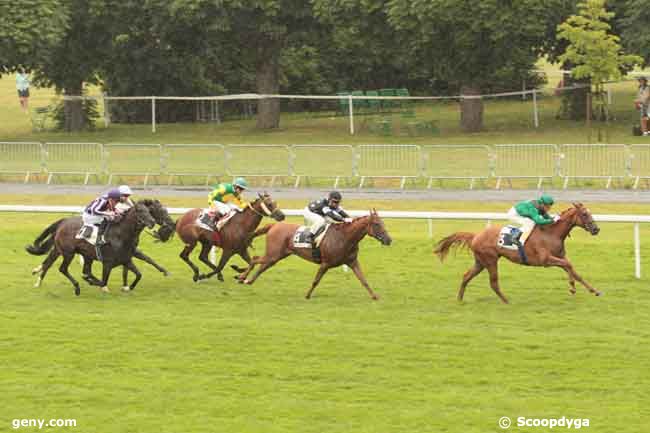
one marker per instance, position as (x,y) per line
(584,219)
(160,214)
(265,205)
(376,228)
(143,216)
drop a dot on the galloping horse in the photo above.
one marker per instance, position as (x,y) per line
(45,243)
(339,247)
(233,238)
(122,241)
(544,247)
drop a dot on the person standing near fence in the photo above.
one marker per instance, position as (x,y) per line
(22,85)
(641,102)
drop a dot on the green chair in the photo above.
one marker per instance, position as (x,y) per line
(374,105)
(387,104)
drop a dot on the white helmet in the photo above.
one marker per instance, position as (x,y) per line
(125,190)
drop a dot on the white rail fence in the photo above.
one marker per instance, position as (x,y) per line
(429,216)
(608,163)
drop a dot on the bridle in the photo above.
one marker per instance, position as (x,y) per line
(265,209)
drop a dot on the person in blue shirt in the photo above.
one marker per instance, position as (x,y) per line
(22,85)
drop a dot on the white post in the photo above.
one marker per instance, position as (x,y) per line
(609,96)
(107,113)
(153,114)
(535,114)
(637,251)
(523,89)
(351,115)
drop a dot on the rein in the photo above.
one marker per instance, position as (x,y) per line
(266,210)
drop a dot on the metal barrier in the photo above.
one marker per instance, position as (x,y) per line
(73,158)
(388,161)
(639,163)
(522,161)
(132,160)
(21,158)
(456,162)
(261,160)
(207,160)
(328,161)
(593,161)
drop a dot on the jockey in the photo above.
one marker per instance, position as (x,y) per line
(125,198)
(528,213)
(100,211)
(319,212)
(225,197)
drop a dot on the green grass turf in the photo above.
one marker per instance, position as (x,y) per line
(180,356)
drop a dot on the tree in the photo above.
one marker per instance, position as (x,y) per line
(476,46)
(593,51)
(634,27)
(28,31)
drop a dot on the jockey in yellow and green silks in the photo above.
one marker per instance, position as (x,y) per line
(227,196)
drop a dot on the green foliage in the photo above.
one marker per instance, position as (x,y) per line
(635,23)
(593,51)
(89,114)
(29,29)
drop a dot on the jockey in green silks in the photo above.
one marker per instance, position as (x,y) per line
(531,212)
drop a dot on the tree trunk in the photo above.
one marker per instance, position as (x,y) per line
(471,110)
(267,77)
(73,109)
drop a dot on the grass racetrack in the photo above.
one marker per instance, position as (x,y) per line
(176,356)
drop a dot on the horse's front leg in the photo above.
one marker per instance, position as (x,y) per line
(145,258)
(130,266)
(573,275)
(106,273)
(247,258)
(321,271)
(225,256)
(87,273)
(356,268)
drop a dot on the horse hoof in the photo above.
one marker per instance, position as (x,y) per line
(37,284)
(126,289)
(37,269)
(572,292)
(105,289)
(196,278)
(249,282)
(598,293)
(220,277)
(166,274)
(375,297)
(77,291)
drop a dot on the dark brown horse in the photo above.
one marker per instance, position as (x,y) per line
(45,243)
(544,247)
(339,247)
(122,240)
(233,238)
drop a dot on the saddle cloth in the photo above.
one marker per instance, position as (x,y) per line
(507,237)
(199,221)
(88,233)
(303,236)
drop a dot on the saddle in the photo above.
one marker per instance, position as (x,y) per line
(88,233)
(304,238)
(509,239)
(206,220)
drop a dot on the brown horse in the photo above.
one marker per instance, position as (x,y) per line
(544,247)
(339,247)
(233,238)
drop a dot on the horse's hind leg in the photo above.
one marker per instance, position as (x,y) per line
(494,281)
(469,275)
(254,261)
(45,266)
(204,256)
(87,273)
(64,270)
(265,263)
(247,258)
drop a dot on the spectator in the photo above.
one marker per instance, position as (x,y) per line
(22,85)
(641,102)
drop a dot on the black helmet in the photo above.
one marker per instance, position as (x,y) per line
(335,195)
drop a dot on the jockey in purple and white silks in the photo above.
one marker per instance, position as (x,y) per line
(100,211)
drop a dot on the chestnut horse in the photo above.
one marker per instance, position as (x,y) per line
(339,247)
(233,238)
(544,247)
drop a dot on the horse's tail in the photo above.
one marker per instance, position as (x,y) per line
(458,239)
(44,242)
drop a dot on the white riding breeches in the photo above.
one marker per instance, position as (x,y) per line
(92,220)
(313,220)
(224,208)
(526,225)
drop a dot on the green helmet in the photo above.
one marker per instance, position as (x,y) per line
(546,199)
(240,182)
